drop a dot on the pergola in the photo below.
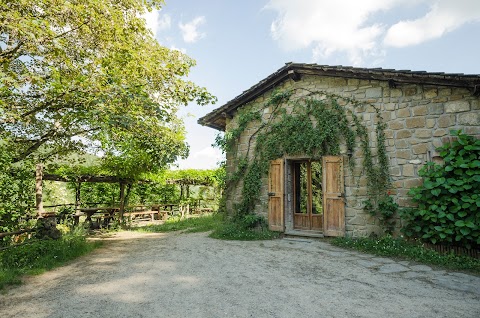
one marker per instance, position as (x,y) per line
(78,180)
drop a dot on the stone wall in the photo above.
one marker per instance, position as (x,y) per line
(418,118)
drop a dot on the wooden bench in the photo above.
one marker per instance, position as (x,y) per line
(164,210)
(202,210)
(134,214)
(102,220)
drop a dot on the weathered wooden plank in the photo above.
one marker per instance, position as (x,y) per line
(333,192)
(275,199)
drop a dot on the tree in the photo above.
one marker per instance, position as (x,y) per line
(88,74)
(17,187)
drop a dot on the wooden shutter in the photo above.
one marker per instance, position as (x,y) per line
(333,196)
(275,196)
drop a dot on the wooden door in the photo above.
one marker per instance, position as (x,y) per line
(275,196)
(333,196)
(307,203)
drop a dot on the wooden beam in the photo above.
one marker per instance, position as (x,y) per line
(295,76)
(86,178)
(189,182)
(4,234)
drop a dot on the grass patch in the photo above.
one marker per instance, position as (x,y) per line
(221,229)
(388,246)
(203,223)
(39,256)
(239,232)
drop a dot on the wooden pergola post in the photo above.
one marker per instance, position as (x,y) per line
(39,190)
(46,222)
(78,187)
(122,200)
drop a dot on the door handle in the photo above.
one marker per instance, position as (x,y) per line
(271,194)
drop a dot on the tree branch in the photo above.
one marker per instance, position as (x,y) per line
(46,137)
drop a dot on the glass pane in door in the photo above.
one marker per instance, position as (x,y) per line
(301,184)
(316,188)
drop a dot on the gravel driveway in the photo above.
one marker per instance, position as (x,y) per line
(191,275)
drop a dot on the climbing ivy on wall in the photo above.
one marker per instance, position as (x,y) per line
(313,125)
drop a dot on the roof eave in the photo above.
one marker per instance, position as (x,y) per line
(294,72)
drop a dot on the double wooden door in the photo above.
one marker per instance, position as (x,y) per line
(307,195)
(318,196)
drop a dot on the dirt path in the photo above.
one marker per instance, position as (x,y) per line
(191,275)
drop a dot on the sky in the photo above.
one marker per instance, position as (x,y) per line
(236,44)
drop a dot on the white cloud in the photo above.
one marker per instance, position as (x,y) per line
(190,31)
(207,158)
(183,50)
(444,16)
(346,26)
(164,22)
(328,26)
(157,22)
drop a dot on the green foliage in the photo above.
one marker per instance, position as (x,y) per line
(203,223)
(107,193)
(379,203)
(449,200)
(237,231)
(252,221)
(389,246)
(384,210)
(246,117)
(92,70)
(38,256)
(314,127)
(153,188)
(249,227)
(143,193)
(16,192)
(210,177)
(252,183)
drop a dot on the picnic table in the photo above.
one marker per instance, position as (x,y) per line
(106,214)
(165,209)
(98,213)
(140,210)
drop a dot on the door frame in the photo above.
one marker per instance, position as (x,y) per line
(308,220)
(288,205)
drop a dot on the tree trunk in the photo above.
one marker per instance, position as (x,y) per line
(127,196)
(122,200)
(38,189)
(78,187)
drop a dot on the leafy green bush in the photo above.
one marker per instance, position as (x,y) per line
(384,210)
(236,231)
(38,256)
(45,254)
(449,200)
(16,191)
(249,227)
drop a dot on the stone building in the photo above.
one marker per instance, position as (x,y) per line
(418,109)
